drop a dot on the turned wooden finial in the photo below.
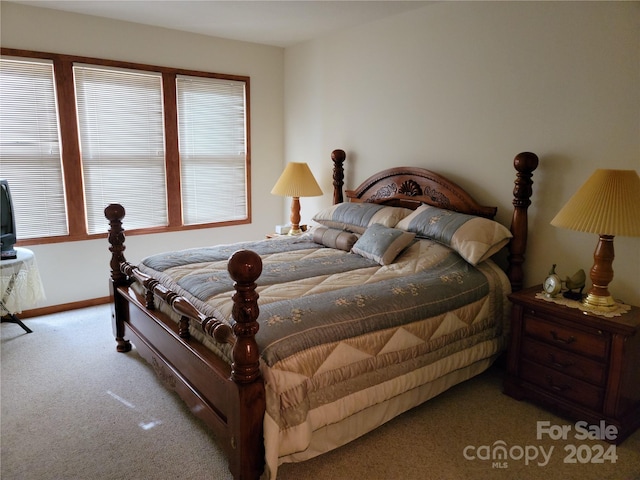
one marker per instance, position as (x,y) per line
(115,214)
(244,268)
(525,163)
(338,156)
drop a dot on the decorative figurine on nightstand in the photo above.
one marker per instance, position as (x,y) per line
(575,282)
(552,284)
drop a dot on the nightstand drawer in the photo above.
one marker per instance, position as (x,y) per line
(562,385)
(594,344)
(566,362)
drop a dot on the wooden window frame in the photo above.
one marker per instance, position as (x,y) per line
(72,162)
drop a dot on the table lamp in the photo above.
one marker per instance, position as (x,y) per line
(296,181)
(608,204)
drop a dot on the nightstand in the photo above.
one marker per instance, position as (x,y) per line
(582,366)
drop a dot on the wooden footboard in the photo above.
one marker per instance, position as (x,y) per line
(230,398)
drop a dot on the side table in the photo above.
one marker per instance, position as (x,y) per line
(581,365)
(20,286)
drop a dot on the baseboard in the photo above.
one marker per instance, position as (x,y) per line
(64,307)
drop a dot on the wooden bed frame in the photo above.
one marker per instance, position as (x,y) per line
(230,399)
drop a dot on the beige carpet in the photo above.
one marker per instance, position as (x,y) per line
(73,408)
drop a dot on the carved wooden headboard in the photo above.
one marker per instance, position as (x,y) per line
(410,187)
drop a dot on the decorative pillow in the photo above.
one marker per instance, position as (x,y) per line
(474,238)
(356,217)
(334,238)
(382,244)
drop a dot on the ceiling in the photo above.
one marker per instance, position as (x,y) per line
(270,22)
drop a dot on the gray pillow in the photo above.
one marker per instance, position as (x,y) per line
(334,238)
(474,238)
(356,217)
(382,244)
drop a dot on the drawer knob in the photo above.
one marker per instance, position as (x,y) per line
(557,388)
(559,339)
(557,364)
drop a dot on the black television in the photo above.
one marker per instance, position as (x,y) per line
(7,223)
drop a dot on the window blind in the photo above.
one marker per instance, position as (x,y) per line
(30,147)
(121,130)
(213,149)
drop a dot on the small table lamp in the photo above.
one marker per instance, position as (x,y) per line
(296,181)
(608,204)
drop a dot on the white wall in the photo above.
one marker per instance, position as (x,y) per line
(461,88)
(78,271)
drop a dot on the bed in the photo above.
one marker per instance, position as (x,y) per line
(293,346)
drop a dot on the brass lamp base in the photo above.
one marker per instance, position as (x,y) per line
(600,303)
(294,231)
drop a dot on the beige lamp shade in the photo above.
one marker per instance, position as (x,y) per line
(608,204)
(297,181)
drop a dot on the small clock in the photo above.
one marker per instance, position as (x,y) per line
(552,284)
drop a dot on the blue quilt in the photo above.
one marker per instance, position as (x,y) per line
(298,322)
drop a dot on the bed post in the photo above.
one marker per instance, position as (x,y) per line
(338,157)
(525,163)
(247,461)
(244,268)
(115,213)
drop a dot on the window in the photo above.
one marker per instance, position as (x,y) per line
(30,148)
(120,122)
(170,145)
(211,124)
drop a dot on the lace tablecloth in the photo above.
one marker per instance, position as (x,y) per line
(20,284)
(560,300)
